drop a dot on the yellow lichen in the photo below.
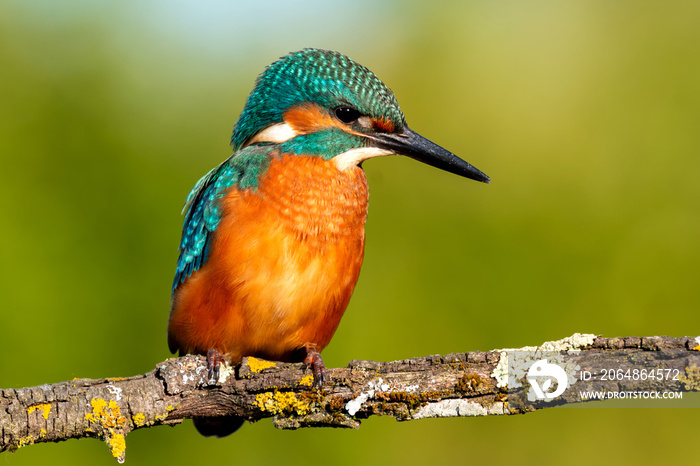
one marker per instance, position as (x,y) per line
(697,348)
(256,365)
(307,380)
(281,402)
(139,419)
(163,417)
(24,441)
(117,445)
(691,379)
(108,415)
(98,410)
(29,439)
(46,408)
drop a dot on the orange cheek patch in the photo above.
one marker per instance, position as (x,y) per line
(383,125)
(307,118)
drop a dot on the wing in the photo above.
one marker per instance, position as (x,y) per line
(203,210)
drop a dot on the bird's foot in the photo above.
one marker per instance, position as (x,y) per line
(315,361)
(214,358)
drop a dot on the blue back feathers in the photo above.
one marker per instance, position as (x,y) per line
(202,209)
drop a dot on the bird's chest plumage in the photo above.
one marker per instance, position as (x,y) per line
(310,199)
(284,261)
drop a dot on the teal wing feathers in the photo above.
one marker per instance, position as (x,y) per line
(202,208)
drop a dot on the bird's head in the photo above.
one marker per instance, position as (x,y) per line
(318,102)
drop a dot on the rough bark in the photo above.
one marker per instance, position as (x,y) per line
(458,384)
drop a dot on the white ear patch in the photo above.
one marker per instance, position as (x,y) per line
(354,157)
(275,134)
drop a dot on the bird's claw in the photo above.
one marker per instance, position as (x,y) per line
(314,361)
(214,358)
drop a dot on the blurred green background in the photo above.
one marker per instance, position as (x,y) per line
(585,114)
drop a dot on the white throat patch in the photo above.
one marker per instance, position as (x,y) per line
(275,134)
(354,157)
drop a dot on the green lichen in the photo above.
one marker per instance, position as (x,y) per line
(410,400)
(336,404)
(469,383)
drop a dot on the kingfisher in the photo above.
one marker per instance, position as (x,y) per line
(273,237)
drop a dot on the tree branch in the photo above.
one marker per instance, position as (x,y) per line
(459,384)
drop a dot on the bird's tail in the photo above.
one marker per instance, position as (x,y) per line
(218,426)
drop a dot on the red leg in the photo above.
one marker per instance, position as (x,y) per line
(313,359)
(214,358)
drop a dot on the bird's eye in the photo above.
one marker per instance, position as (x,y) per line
(347,114)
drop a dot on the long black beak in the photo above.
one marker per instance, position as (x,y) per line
(412,144)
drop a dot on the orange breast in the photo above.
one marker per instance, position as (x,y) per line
(284,261)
